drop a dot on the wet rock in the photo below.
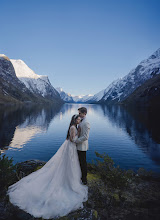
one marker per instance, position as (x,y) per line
(104,214)
(140,200)
(84,214)
(29,166)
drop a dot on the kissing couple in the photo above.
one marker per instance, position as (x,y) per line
(59,187)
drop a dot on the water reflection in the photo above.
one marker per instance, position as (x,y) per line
(18,125)
(71,109)
(129,136)
(142,126)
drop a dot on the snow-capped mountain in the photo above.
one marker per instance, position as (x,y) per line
(82,98)
(7,72)
(12,90)
(98,96)
(122,88)
(37,84)
(19,84)
(146,95)
(64,96)
(67,97)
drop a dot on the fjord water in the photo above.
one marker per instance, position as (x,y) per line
(130,137)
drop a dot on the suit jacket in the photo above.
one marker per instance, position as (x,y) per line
(82,141)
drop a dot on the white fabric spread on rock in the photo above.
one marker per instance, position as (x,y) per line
(54,190)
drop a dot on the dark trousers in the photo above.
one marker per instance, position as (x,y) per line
(83,164)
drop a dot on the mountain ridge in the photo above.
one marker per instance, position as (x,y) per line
(15,91)
(37,84)
(67,97)
(147,95)
(121,88)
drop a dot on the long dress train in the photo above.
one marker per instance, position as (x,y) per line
(55,190)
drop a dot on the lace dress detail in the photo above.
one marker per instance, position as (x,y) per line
(73,133)
(55,190)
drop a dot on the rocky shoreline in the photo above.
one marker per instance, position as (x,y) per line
(139,199)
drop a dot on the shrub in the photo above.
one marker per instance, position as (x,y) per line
(144,174)
(112,175)
(7,171)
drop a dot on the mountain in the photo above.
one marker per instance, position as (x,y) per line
(120,89)
(82,98)
(148,94)
(37,84)
(12,90)
(19,123)
(98,96)
(16,90)
(66,97)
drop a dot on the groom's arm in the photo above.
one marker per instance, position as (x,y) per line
(85,135)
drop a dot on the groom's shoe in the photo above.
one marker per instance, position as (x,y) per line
(84,183)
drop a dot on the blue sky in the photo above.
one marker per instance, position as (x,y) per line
(82,45)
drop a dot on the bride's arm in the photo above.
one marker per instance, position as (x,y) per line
(73,136)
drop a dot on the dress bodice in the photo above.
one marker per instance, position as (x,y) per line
(73,131)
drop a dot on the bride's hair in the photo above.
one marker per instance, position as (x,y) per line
(73,122)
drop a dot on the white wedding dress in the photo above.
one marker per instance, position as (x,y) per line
(55,190)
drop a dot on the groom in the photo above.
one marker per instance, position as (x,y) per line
(82,143)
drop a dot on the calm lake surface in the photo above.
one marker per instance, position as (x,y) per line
(131,138)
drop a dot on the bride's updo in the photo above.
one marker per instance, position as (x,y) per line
(73,122)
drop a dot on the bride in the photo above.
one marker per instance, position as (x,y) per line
(56,189)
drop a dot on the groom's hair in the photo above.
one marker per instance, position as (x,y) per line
(83,110)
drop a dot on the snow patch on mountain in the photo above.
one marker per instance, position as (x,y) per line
(122,88)
(64,96)
(82,98)
(98,96)
(38,84)
(3,56)
(67,97)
